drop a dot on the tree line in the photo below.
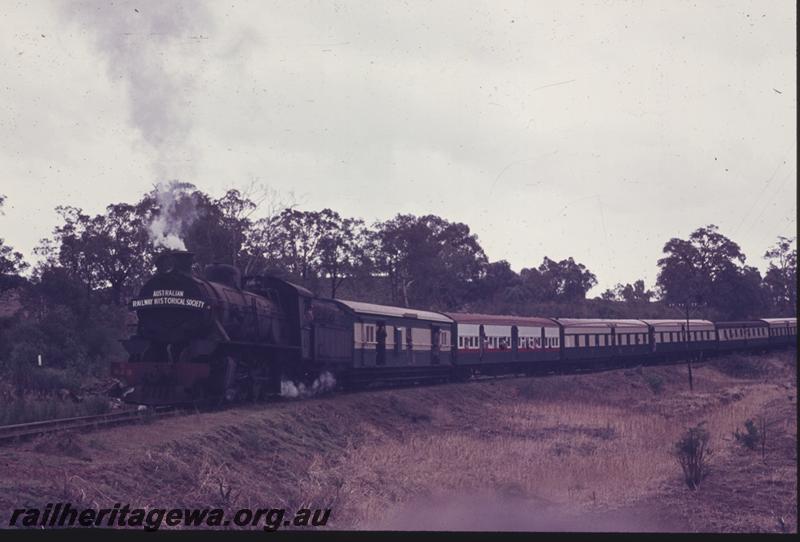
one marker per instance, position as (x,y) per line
(92,265)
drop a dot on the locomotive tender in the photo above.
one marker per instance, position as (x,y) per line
(223,338)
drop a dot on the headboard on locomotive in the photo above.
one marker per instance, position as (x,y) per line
(173,305)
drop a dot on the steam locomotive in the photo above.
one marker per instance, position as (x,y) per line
(220,337)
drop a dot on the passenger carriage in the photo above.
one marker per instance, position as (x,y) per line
(385,336)
(669,337)
(504,341)
(742,335)
(781,331)
(586,339)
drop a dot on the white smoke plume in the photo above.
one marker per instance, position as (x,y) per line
(176,212)
(152,47)
(324,382)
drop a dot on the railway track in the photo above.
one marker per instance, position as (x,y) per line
(22,431)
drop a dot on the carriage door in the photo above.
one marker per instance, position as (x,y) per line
(380,343)
(436,338)
(614,340)
(409,346)
(482,340)
(514,342)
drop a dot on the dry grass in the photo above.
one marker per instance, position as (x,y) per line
(568,445)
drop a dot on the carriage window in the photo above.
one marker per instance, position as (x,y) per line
(369,333)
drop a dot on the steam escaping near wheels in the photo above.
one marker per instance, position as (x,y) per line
(323,383)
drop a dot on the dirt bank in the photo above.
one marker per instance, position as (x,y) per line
(577,452)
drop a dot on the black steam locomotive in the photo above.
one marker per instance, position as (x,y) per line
(220,337)
(213,336)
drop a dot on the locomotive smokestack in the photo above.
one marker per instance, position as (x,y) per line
(175,260)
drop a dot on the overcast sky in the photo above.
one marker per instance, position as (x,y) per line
(596,130)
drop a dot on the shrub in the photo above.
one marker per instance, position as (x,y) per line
(44,381)
(32,409)
(655,382)
(740,366)
(692,453)
(751,437)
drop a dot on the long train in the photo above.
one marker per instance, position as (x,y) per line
(217,337)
